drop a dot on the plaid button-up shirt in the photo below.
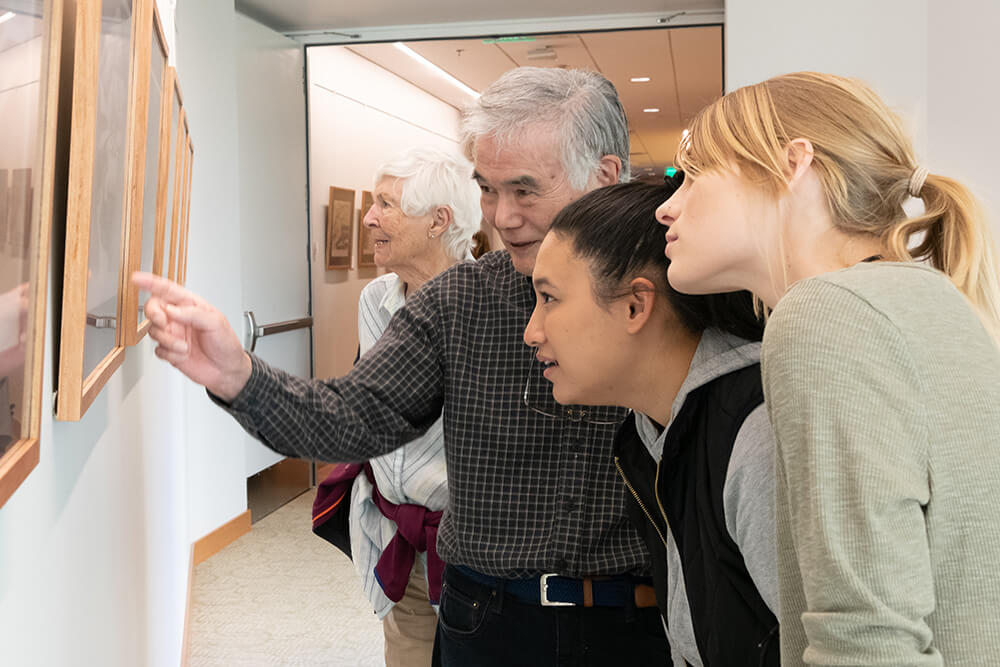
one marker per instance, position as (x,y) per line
(528,494)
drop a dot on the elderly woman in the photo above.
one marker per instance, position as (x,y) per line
(425,213)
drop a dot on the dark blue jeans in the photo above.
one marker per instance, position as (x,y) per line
(480,626)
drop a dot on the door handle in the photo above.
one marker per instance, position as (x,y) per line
(253,331)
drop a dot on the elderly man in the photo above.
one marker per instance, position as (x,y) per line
(542,567)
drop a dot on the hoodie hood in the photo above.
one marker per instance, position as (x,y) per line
(717,354)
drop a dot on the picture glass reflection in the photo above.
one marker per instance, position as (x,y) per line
(21,62)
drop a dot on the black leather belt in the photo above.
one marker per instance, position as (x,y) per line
(556,590)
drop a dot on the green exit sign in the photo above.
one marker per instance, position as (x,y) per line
(670,172)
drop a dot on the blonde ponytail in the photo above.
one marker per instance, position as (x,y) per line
(956,241)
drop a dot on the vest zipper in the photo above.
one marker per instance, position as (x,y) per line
(656,494)
(635,495)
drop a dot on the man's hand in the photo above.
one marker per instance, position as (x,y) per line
(194,336)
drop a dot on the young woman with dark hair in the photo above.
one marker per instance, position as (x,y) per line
(697,452)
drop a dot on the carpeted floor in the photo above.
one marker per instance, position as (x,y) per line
(281,596)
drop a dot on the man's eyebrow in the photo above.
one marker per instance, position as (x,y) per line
(526,180)
(523,180)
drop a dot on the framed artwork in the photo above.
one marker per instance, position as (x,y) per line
(366,244)
(148,161)
(102,124)
(30,42)
(339,222)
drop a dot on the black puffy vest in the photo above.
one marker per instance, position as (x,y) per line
(732,625)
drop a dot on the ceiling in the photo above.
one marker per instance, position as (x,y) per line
(300,15)
(684,66)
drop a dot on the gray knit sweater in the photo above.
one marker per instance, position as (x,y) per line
(883,389)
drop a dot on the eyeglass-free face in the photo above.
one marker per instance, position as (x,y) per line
(584,345)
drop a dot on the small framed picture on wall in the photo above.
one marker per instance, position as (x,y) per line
(366,244)
(339,237)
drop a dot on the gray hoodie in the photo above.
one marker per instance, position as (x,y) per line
(748,493)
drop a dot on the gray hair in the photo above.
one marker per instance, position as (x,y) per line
(582,106)
(431,177)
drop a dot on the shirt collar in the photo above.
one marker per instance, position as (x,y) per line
(394,297)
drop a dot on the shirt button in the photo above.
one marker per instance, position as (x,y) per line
(569,505)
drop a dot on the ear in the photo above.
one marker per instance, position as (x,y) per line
(609,169)
(440,219)
(639,302)
(799,155)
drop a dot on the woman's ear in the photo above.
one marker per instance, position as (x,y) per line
(440,219)
(639,302)
(799,155)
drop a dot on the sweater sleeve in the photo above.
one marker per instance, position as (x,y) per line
(854,561)
(748,499)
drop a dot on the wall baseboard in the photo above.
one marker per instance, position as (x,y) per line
(219,538)
(185,638)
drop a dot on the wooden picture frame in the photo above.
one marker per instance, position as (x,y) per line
(169,128)
(102,132)
(150,139)
(366,244)
(339,229)
(29,106)
(173,223)
(183,243)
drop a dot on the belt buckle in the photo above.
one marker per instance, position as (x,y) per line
(543,584)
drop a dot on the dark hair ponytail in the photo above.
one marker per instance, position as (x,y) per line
(615,230)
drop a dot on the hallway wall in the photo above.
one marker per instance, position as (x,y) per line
(925,59)
(359,116)
(93,562)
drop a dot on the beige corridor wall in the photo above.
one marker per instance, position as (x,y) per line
(359,116)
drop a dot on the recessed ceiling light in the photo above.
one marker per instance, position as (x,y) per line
(7,16)
(639,79)
(651,110)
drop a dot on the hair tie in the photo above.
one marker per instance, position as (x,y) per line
(917,179)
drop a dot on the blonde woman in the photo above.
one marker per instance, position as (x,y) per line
(881,365)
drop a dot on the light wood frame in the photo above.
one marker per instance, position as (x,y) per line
(22,456)
(75,391)
(149,35)
(167,169)
(186,215)
(366,244)
(180,231)
(176,218)
(339,227)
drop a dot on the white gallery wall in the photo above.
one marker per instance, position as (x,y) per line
(930,61)
(207,67)
(359,116)
(94,545)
